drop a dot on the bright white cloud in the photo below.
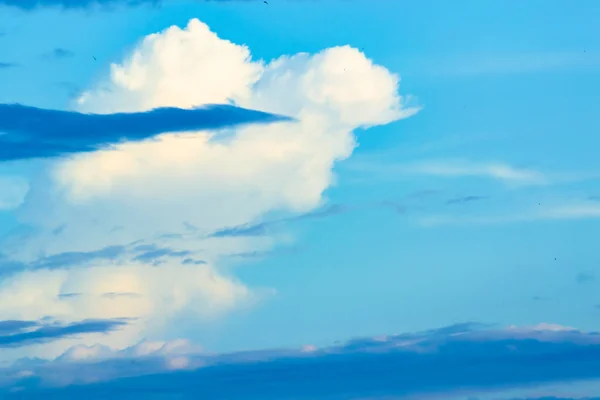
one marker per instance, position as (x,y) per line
(145,348)
(544,326)
(205,180)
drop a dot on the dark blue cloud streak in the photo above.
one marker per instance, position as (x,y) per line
(22,333)
(59,53)
(149,254)
(462,358)
(69,259)
(10,327)
(265,228)
(465,199)
(30,132)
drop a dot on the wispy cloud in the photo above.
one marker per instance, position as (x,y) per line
(69,295)
(466,359)
(500,64)
(22,333)
(114,295)
(266,228)
(59,53)
(69,259)
(12,191)
(421,194)
(585,277)
(569,211)
(409,201)
(452,168)
(499,171)
(262,254)
(546,213)
(31,132)
(6,65)
(192,261)
(70,88)
(152,253)
(148,253)
(465,199)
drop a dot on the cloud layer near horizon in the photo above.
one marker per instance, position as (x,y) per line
(162,199)
(465,359)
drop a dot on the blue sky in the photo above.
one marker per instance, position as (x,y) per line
(439,167)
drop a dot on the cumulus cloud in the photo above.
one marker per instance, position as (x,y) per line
(160,292)
(174,191)
(461,360)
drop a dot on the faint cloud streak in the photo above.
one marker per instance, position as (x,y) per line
(453,169)
(501,64)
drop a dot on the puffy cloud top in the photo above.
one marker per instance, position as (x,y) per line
(177,189)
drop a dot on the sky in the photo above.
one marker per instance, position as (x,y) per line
(336,199)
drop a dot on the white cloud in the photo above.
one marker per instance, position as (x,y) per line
(544,326)
(571,211)
(566,211)
(494,170)
(456,168)
(83,353)
(94,363)
(145,348)
(309,348)
(162,292)
(208,180)
(176,67)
